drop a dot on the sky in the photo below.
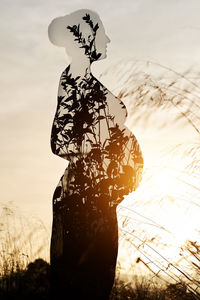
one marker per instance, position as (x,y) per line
(164,31)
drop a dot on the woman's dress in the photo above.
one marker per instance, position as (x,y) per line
(105,163)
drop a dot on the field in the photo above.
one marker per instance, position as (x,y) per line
(159,253)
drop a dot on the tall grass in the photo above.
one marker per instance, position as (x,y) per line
(159,223)
(22,239)
(159,253)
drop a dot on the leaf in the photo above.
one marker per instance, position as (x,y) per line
(112,168)
(96,27)
(99,176)
(102,106)
(65,117)
(60,98)
(87,17)
(90,141)
(57,192)
(100,118)
(95,56)
(128,170)
(72,152)
(91,44)
(85,130)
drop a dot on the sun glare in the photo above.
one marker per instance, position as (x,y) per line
(162,216)
(164,181)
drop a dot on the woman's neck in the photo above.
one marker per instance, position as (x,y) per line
(80,68)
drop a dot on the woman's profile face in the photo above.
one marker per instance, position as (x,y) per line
(101,41)
(88,35)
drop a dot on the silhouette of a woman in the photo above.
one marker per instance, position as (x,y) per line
(105,163)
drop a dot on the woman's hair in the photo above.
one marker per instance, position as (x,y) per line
(59,32)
